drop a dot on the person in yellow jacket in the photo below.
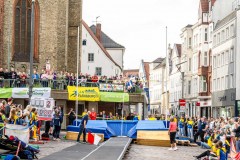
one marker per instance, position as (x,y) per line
(190,124)
(152,118)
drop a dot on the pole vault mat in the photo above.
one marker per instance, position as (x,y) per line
(112,149)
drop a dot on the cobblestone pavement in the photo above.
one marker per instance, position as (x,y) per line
(141,152)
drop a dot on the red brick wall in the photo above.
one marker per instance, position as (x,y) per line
(1,32)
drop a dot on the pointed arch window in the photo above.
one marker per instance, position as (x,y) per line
(22,30)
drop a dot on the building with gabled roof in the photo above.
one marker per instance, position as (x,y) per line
(95,58)
(115,49)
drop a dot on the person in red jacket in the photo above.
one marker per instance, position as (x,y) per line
(93,115)
(95,78)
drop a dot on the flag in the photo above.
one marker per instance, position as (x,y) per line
(93,138)
(90,138)
(233,153)
(97,139)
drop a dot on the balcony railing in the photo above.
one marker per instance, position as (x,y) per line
(109,86)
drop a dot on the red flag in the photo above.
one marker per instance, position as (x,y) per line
(90,138)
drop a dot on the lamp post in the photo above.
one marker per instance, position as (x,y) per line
(31,53)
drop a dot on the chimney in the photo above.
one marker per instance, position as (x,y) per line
(98,32)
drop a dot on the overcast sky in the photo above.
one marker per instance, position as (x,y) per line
(139,25)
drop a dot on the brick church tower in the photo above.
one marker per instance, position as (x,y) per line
(56,25)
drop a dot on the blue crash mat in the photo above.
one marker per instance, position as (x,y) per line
(151,125)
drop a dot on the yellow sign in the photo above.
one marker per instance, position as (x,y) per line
(83,93)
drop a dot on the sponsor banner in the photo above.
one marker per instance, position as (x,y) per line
(111,87)
(5,92)
(83,93)
(37,92)
(114,97)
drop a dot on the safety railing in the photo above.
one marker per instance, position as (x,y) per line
(107,85)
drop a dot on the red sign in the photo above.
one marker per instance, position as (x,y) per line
(182,102)
(198,104)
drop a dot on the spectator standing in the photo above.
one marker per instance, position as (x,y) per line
(202,127)
(3,120)
(93,115)
(13,118)
(190,124)
(71,116)
(82,129)
(6,73)
(104,115)
(57,121)
(35,75)
(27,115)
(13,76)
(95,78)
(172,133)
(1,77)
(8,107)
(44,78)
(1,73)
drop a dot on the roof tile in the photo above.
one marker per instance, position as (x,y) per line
(106,40)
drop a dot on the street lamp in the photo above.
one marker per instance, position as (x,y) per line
(31,53)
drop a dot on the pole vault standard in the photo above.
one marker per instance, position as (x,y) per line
(166,78)
(122,118)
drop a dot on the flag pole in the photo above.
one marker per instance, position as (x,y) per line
(166,77)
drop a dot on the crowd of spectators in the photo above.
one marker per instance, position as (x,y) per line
(214,134)
(57,80)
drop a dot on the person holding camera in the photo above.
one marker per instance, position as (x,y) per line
(71,116)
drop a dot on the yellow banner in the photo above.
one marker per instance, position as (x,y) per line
(84,93)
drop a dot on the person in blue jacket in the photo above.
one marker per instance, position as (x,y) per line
(57,120)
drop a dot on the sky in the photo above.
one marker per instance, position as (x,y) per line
(140,25)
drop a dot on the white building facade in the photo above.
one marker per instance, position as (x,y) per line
(175,78)
(226,55)
(95,59)
(156,85)
(196,63)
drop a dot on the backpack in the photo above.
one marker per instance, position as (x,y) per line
(26,154)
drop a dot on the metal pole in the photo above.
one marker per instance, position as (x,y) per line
(31,53)
(76,107)
(166,104)
(8,60)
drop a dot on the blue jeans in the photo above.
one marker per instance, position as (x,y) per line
(238,146)
(190,133)
(205,145)
(181,131)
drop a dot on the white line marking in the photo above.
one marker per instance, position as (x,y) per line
(95,149)
(125,148)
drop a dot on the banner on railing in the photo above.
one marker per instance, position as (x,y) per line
(111,87)
(5,92)
(21,132)
(114,97)
(84,93)
(37,93)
